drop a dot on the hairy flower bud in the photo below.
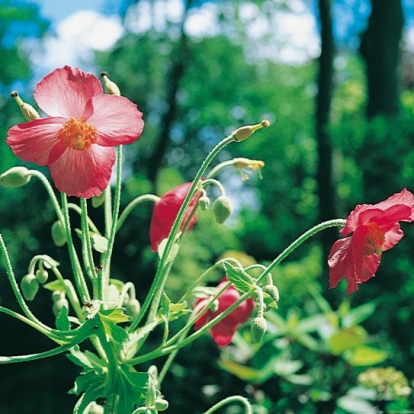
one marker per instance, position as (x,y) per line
(15,177)
(27,110)
(161,404)
(132,307)
(29,286)
(204,202)
(258,329)
(244,132)
(272,291)
(222,209)
(41,276)
(111,88)
(58,233)
(59,304)
(95,408)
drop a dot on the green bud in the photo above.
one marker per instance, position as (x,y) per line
(204,202)
(132,307)
(57,294)
(58,233)
(15,177)
(272,291)
(30,286)
(258,329)
(59,304)
(41,276)
(95,408)
(222,209)
(27,110)
(111,88)
(161,404)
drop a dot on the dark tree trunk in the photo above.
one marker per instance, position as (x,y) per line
(380,49)
(173,80)
(326,191)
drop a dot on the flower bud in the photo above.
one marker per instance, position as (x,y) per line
(95,408)
(161,404)
(41,276)
(58,233)
(272,291)
(244,132)
(111,88)
(15,177)
(204,202)
(258,329)
(59,304)
(132,307)
(29,286)
(57,294)
(27,110)
(222,209)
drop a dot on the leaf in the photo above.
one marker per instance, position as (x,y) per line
(109,319)
(359,314)
(62,320)
(87,360)
(355,405)
(284,368)
(269,301)
(248,374)
(346,339)
(240,279)
(54,285)
(365,356)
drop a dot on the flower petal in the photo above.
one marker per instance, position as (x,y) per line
(116,118)
(403,198)
(223,332)
(66,91)
(83,173)
(33,141)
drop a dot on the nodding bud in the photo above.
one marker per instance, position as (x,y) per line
(58,233)
(161,404)
(258,329)
(95,408)
(111,88)
(29,286)
(15,177)
(272,291)
(59,304)
(27,110)
(204,202)
(222,209)
(41,276)
(244,132)
(132,308)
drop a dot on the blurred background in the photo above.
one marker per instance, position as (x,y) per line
(336,80)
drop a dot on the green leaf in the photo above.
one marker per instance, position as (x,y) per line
(54,285)
(366,356)
(87,360)
(109,319)
(62,320)
(248,374)
(346,339)
(359,314)
(269,301)
(240,279)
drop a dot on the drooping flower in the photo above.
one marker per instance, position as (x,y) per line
(166,210)
(76,141)
(223,331)
(369,230)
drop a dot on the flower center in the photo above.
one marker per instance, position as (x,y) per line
(77,134)
(374,240)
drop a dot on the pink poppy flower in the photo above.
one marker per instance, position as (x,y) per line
(166,210)
(76,141)
(223,331)
(369,230)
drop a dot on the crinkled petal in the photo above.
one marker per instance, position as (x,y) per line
(341,264)
(403,198)
(116,118)
(223,332)
(83,173)
(392,237)
(66,91)
(33,141)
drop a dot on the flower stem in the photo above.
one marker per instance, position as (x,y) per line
(229,400)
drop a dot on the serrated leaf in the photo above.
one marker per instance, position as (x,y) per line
(116,315)
(54,285)
(62,320)
(365,356)
(86,359)
(109,319)
(240,279)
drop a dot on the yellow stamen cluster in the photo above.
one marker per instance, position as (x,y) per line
(374,240)
(77,134)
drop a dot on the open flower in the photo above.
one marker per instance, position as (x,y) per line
(76,141)
(224,330)
(166,210)
(369,230)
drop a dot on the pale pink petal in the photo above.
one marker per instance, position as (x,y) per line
(33,141)
(66,91)
(116,118)
(83,173)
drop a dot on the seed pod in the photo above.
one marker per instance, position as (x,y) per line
(258,329)
(15,177)
(29,286)
(222,209)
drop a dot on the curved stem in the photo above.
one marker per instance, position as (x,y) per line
(229,400)
(132,205)
(154,296)
(74,207)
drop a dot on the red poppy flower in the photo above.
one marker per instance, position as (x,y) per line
(76,140)
(223,331)
(369,230)
(166,210)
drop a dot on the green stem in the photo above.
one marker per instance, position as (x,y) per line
(154,296)
(230,400)
(114,219)
(74,207)
(214,171)
(74,260)
(132,205)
